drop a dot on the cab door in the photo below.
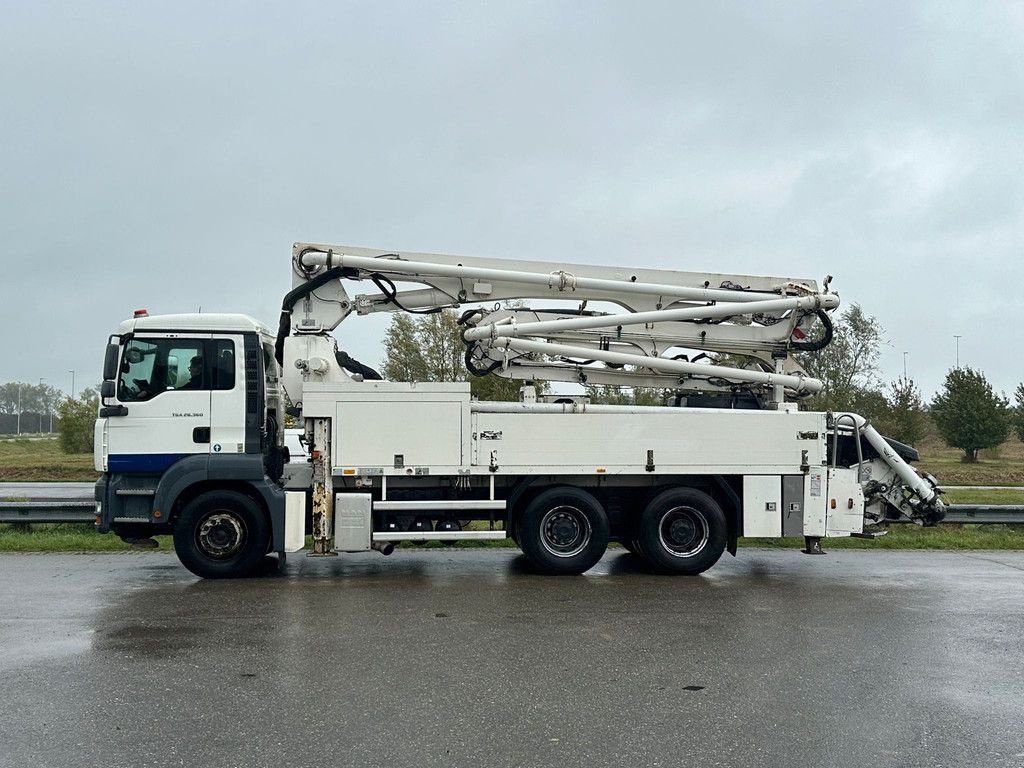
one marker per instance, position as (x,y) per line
(228,395)
(167,408)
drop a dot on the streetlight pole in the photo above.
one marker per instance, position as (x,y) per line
(43,396)
(72,384)
(904,365)
(49,410)
(957,351)
(19,407)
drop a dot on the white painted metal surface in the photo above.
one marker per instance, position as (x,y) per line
(294,521)
(441,505)
(762,505)
(796,383)
(722,309)
(439,535)
(353,522)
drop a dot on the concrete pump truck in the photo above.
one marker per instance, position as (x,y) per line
(190,434)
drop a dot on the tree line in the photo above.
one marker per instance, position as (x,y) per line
(35,403)
(967,412)
(47,409)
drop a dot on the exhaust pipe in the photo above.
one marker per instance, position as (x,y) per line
(384,547)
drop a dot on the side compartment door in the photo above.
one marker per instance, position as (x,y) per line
(161,384)
(845,510)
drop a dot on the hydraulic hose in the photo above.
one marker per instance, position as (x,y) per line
(824,341)
(291,299)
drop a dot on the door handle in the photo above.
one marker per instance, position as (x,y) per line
(201,435)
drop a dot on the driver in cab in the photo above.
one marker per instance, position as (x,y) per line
(195,371)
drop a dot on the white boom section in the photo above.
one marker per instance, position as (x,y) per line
(760,317)
(798,383)
(556,281)
(512,328)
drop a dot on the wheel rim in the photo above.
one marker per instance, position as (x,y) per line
(565,531)
(683,532)
(221,535)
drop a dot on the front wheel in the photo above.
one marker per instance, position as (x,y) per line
(221,535)
(563,531)
(682,531)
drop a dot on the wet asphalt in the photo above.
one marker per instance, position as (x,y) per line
(464,658)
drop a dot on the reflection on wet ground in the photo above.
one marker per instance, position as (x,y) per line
(465,657)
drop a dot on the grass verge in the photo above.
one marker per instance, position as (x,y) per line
(981,496)
(62,537)
(42,460)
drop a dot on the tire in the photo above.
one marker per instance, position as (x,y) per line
(563,531)
(221,535)
(682,531)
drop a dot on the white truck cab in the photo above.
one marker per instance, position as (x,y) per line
(189,400)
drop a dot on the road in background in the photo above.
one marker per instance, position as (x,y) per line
(464,658)
(46,491)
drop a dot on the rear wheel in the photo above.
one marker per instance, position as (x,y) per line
(682,531)
(221,535)
(563,531)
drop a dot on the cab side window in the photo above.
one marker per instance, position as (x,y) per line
(222,358)
(150,367)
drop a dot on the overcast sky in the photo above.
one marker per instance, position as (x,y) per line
(166,155)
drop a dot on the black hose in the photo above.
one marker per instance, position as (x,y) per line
(824,341)
(392,295)
(299,292)
(471,367)
(350,364)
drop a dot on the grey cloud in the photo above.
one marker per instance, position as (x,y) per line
(167,156)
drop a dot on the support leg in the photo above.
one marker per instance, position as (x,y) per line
(323,487)
(812,545)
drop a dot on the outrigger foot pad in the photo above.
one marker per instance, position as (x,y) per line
(812,546)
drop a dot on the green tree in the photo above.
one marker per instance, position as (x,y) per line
(848,366)
(403,360)
(603,394)
(430,348)
(968,414)
(76,418)
(903,417)
(1018,422)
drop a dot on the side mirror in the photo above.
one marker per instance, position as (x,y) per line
(110,363)
(108,389)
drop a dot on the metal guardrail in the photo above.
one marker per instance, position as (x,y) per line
(84,511)
(988,513)
(63,511)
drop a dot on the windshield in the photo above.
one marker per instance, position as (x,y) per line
(150,367)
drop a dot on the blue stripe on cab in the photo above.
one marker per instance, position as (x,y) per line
(142,462)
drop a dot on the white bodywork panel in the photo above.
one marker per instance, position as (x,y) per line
(352,522)
(391,432)
(684,441)
(762,505)
(815,500)
(294,521)
(375,421)
(845,509)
